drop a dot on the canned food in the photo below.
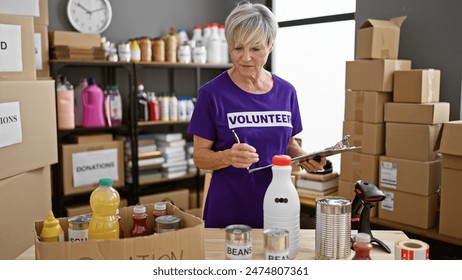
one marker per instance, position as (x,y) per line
(168,223)
(238,242)
(78,228)
(276,244)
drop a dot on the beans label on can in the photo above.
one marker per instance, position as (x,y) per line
(238,242)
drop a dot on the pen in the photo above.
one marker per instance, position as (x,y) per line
(237,140)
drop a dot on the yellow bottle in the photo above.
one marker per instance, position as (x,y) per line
(52,230)
(135,51)
(104,202)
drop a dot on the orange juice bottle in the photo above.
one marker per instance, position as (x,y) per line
(104,202)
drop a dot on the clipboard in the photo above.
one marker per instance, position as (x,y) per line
(340,147)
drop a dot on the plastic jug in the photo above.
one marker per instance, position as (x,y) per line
(52,230)
(104,202)
(281,204)
(92,104)
(65,104)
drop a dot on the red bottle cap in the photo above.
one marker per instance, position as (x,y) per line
(282,160)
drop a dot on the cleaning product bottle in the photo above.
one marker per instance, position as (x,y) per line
(65,104)
(173,107)
(52,230)
(154,110)
(362,246)
(113,106)
(139,228)
(143,107)
(104,201)
(92,101)
(281,204)
(78,107)
(214,45)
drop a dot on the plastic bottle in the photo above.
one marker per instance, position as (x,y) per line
(78,110)
(184,53)
(113,106)
(281,204)
(182,109)
(224,55)
(135,51)
(206,34)
(197,33)
(65,104)
(362,246)
(171,45)
(199,53)
(52,230)
(182,36)
(104,201)
(92,104)
(160,209)
(142,96)
(154,109)
(164,107)
(214,45)
(139,217)
(189,108)
(173,107)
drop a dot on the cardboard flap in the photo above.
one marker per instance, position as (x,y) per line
(398,21)
(378,23)
(448,141)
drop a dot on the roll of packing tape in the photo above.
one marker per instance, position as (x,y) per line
(411,249)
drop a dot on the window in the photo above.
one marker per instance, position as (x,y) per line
(314,41)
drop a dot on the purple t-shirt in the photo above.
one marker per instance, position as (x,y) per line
(264,121)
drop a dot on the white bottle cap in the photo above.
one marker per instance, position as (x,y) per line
(363,237)
(160,206)
(139,209)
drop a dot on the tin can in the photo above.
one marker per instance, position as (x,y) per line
(238,242)
(276,244)
(78,228)
(167,223)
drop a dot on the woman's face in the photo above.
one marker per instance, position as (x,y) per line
(249,60)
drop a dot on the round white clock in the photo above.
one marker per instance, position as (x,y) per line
(89,16)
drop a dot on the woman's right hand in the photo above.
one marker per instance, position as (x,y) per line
(243,155)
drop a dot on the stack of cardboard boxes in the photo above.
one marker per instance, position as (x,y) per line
(369,85)
(451,191)
(27,128)
(410,172)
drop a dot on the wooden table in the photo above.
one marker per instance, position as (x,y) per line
(215,245)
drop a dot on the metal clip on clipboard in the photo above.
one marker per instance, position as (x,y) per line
(339,147)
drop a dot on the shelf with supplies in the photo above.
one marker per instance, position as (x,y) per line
(127,75)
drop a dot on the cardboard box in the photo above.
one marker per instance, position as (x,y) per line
(450,161)
(417,86)
(17,50)
(91,138)
(42,56)
(410,209)
(186,243)
(93,158)
(74,39)
(76,210)
(365,106)
(373,75)
(371,137)
(379,39)
(28,140)
(30,192)
(179,198)
(359,166)
(425,113)
(450,206)
(33,8)
(411,141)
(449,138)
(416,177)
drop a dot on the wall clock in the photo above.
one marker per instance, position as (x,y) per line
(89,16)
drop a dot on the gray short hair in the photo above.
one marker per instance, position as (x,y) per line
(250,24)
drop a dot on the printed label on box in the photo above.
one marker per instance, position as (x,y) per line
(388,174)
(10,48)
(38,51)
(10,124)
(89,167)
(389,202)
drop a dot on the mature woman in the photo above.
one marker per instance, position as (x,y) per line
(260,107)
